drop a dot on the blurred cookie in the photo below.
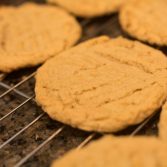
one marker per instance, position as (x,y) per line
(146,20)
(118,152)
(89,8)
(163,123)
(103,85)
(30,34)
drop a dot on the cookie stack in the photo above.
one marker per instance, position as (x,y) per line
(102,85)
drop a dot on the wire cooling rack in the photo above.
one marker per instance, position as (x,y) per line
(28,137)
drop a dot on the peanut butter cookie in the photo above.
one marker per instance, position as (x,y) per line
(146,20)
(30,34)
(103,85)
(90,8)
(118,152)
(163,123)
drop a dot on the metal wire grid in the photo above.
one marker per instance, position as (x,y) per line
(28,98)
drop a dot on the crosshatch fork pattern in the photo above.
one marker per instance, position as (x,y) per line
(28,137)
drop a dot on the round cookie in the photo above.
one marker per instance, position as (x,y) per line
(145,20)
(103,85)
(118,152)
(163,123)
(90,8)
(30,34)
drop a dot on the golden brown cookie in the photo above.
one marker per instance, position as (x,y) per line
(163,123)
(103,85)
(118,152)
(90,8)
(31,33)
(146,20)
